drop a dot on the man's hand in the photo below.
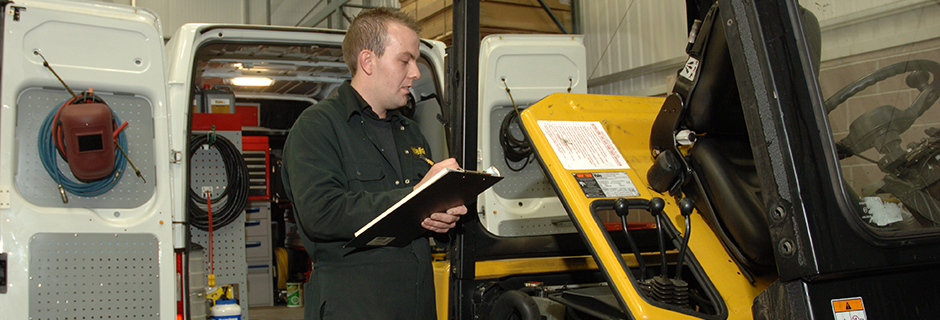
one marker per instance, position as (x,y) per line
(441,222)
(450,163)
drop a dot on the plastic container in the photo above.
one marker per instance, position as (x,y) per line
(295,294)
(227,310)
(219,99)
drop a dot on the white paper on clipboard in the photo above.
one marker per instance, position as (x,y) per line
(582,145)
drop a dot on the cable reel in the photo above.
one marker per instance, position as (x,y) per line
(235,197)
(83,131)
(514,149)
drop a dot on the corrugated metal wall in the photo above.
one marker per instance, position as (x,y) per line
(828,9)
(633,46)
(860,26)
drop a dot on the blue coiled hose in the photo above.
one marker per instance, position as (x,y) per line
(48,155)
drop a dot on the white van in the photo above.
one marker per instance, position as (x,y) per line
(123,253)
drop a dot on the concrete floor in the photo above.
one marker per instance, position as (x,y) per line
(275,313)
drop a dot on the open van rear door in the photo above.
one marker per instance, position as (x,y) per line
(531,67)
(92,256)
(304,66)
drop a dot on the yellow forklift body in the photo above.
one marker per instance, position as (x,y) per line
(628,121)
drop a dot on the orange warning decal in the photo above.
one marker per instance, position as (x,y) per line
(847,305)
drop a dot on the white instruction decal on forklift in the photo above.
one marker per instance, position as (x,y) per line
(606,184)
(691,67)
(849,309)
(582,145)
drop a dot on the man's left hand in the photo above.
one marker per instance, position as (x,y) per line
(441,222)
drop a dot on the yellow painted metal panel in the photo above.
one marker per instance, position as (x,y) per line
(494,269)
(628,121)
(441,287)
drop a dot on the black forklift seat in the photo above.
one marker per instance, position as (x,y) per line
(724,181)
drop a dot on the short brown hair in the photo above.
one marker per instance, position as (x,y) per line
(370,31)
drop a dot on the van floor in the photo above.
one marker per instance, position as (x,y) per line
(275,313)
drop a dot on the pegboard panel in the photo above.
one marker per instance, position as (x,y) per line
(93,276)
(535,227)
(207,169)
(530,182)
(34,183)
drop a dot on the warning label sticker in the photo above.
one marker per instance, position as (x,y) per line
(582,145)
(606,184)
(849,309)
(691,67)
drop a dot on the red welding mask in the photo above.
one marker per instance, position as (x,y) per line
(87,139)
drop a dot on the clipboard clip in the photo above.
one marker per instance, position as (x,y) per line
(492,171)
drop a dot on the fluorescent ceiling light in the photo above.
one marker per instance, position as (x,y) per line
(252,81)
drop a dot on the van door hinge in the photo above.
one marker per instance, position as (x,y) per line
(15,11)
(176,156)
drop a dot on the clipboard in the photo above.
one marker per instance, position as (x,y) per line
(401,223)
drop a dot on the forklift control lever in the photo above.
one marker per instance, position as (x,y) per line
(686,206)
(622,207)
(657,205)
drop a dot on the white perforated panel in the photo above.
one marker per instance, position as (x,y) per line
(35,184)
(530,182)
(208,170)
(93,276)
(535,227)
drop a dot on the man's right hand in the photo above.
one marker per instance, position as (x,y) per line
(449,163)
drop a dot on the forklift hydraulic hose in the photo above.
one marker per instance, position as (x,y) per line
(515,302)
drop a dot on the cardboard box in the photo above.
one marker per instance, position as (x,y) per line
(503,16)
(428,8)
(438,27)
(554,4)
(410,8)
(522,18)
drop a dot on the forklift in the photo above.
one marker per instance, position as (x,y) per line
(742,152)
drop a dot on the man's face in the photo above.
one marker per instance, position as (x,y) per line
(397,69)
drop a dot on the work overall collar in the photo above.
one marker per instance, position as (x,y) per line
(359,106)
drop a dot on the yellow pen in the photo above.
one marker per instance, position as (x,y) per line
(420,153)
(427,160)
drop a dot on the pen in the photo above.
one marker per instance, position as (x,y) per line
(428,160)
(419,152)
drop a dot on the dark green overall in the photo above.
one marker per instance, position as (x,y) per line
(339,179)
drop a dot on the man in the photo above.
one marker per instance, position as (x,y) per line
(350,157)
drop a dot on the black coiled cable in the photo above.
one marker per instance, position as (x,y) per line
(232,201)
(514,150)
